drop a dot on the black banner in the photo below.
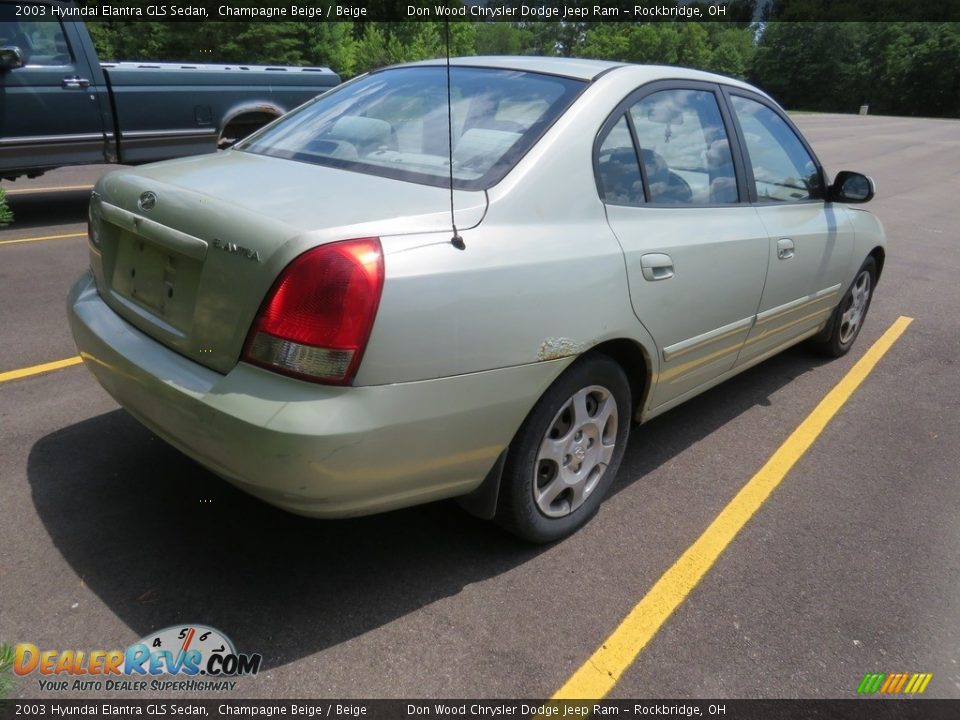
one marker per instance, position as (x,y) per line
(862,709)
(502,10)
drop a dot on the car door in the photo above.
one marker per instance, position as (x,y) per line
(696,251)
(810,240)
(50,113)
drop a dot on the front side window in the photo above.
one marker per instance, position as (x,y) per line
(783,169)
(394,123)
(684,148)
(40,42)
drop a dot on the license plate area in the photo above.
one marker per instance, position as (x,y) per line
(157,279)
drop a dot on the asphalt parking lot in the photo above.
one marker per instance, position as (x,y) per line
(852,565)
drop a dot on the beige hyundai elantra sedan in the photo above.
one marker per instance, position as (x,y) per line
(467,281)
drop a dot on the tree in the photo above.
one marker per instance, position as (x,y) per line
(811,66)
(902,68)
(498,38)
(724,47)
(931,84)
(331,45)
(732,49)
(606,41)
(693,49)
(136,40)
(906,68)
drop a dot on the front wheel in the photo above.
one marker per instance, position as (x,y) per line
(566,454)
(847,319)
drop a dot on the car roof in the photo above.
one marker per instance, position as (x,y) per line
(585,69)
(578,68)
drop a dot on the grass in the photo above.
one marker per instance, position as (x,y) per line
(6,215)
(6,665)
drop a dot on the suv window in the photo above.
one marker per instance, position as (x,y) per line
(40,41)
(783,169)
(394,123)
(684,148)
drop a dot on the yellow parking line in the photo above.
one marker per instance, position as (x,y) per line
(37,369)
(598,675)
(64,188)
(44,237)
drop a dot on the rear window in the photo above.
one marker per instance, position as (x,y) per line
(394,123)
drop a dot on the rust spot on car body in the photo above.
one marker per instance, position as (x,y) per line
(555,348)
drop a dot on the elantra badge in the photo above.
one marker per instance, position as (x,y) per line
(235,249)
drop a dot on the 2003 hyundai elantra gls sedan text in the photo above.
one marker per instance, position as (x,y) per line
(300,316)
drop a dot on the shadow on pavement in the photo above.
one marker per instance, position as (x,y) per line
(162,541)
(664,437)
(65,207)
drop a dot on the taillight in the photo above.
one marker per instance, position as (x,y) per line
(316,319)
(94,218)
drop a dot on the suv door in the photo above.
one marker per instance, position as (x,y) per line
(811,241)
(50,112)
(696,252)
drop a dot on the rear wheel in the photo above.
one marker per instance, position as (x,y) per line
(565,456)
(847,319)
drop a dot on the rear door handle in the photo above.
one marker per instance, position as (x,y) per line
(656,266)
(784,248)
(75,83)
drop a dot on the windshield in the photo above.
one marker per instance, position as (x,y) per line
(394,123)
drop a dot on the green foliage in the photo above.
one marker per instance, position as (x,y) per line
(810,65)
(732,49)
(383,44)
(6,214)
(720,47)
(147,40)
(896,67)
(6,650)
(498,38)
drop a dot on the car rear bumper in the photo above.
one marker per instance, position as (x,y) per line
(312,449)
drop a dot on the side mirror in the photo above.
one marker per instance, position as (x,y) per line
(11,57)
(852,187)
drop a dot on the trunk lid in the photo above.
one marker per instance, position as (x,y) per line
(189,248)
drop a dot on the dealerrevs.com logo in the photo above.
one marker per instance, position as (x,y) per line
(181,657)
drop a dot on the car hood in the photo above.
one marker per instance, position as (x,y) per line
(189,248)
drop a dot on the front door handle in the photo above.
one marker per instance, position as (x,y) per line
(75,83)
(656,266)
(784,248)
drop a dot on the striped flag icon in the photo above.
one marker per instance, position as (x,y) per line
(893,683)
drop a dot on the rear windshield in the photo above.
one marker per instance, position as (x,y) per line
(394,123)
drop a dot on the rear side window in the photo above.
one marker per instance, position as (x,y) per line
(782,168)
(394,123)
(684,148)
(618,173)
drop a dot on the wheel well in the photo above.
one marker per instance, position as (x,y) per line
(633,358)
(878,254)
(237,128)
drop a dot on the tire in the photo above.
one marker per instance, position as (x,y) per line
(565,456)
(847,319)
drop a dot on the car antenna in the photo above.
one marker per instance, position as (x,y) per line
(456,240)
